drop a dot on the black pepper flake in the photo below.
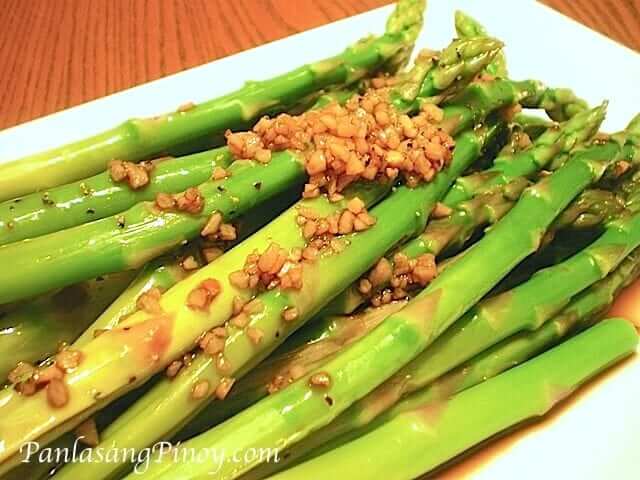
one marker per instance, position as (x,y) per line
(100,279)
(17,200)
(12,207)
(46,199)
(91,211)
(221,188)
(328,400)
(121,222)
(133,379)
(277,334)
(257,185)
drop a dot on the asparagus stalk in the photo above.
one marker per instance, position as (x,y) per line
(468,27)
(137,139)
(130,239)
(421,441)
(230,263)
(277,420)
(483,198)
(123,350)
(550,144)
(560,104)
(130,416)
(100,196)
(171,399)
(534,126)
(311,346)
(203,368)
(36,330)
(584,309)
(164,272)
(159,273)
(431,81)
(524,308)
(303,351)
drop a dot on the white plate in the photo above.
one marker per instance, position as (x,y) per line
(595,438)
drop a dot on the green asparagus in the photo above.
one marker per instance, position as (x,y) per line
(137,139)
(550,144)
(526,307)
(467,27)
(582,311)
(100,196)
(422,441)
(404,335)
(311,346)
(36,330)
(260,350)
(171,399)
(130,239)
(431,81)
(485,197)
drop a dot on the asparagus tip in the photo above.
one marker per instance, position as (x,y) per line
(634,125)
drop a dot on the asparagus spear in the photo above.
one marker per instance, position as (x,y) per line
(171,400)
(137,139)
(38,328)
(319,340)
(311,346)
(553,142)
(560,104)
(161,273)
(100,196)
(129,240)
(583,310)
(431,80)
(277,230)
(422,441)
(203,368)
(164,272)
(277,420)
(176,330)
(496,190)
(524,308)
(532,125)
(132,238)
(468,27)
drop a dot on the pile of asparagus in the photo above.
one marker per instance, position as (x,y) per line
(141,311)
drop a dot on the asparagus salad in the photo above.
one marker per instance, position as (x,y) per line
(340,252)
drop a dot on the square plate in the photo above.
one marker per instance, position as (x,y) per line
(596,437)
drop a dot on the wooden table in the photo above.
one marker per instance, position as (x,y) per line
(59,53)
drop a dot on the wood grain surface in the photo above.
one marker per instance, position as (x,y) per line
(58,53)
